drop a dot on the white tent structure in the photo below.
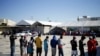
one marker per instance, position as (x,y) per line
(82,24)
(39,26)
(44,26)
(30,22)
(25,22)
(50,23)
(92,23)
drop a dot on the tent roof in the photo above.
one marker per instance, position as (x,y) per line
(50,23)
(92,23)
(68,24)
(25,22)
(81,23)
(30,22)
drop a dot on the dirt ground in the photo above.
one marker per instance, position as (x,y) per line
(5,46)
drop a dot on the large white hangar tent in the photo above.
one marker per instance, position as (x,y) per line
(30,22)
(46,26)
(82,26)
(39,26)
(92,23)
(25,22)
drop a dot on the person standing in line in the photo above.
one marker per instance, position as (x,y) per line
(38,43)
(12,44)
(46,45)
(90,46)
(73,43)
(60,46)
(25,46)
(30,48)
(21,45)
(81,45)
(95,44)
(53,44)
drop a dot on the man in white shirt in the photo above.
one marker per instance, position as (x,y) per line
(60,46)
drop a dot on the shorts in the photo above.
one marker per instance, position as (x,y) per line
(74,52)
(39,50)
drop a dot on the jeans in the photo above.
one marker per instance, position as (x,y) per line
(89,53)
(94,53)
(21,50)
(46,52)
(82,53)
(61,52)
(12,50)
(53,51)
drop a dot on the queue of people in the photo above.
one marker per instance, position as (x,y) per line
(27,47)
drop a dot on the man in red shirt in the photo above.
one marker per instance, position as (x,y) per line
(90,46)
(95,44)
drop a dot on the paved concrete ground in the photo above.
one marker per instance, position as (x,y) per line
(5,48)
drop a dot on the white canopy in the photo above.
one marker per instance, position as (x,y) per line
(81,23)
(50,23)
(25,22)
(30,22)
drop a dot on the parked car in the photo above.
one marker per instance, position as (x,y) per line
(24,33)
(34,33)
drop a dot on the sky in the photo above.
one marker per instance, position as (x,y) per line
(45,10)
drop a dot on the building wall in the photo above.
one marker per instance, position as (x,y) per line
(46,29)
(86,18)
(2,21)
(8,22)
(11,23)
(39,29)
